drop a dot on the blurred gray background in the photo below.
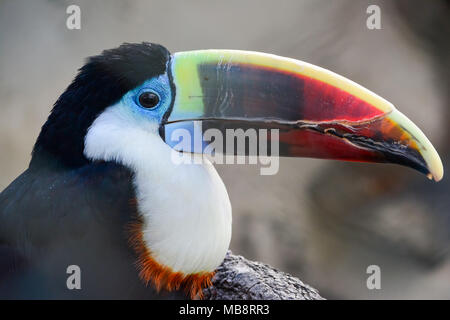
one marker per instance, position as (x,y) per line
(322,221)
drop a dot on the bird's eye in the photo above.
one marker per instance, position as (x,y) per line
(148,100)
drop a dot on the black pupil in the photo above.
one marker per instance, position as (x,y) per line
(148,99)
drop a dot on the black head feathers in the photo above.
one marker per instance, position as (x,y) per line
(101,82)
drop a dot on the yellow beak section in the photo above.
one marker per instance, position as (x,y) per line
(415,139)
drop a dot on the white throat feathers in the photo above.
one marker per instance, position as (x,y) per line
(185,207)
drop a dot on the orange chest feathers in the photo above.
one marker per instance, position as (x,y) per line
(163,277)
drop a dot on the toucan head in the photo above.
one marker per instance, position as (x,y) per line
(318,113)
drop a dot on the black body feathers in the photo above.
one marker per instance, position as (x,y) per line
(65,210)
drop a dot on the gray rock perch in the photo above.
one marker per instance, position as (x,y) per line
(238,278)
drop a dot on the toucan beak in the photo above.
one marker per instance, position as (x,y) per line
(318,113)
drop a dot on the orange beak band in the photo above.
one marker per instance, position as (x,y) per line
(317,112)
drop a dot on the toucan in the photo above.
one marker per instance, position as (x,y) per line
(103,193)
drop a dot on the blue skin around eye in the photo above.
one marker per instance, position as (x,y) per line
(159,85)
